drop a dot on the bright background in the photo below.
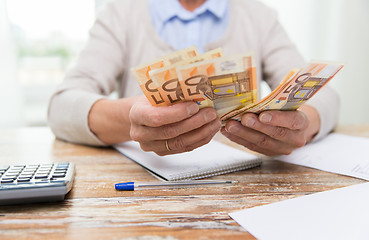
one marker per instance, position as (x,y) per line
(40,39)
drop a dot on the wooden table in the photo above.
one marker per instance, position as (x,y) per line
(94,210)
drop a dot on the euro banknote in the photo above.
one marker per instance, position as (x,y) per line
(225,83)
(141,73)
(291,94)
(166,79)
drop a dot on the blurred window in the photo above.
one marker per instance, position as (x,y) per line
(48,36)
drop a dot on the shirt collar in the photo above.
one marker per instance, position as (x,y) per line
(168,9)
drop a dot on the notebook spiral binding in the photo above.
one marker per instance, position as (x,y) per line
(210,172)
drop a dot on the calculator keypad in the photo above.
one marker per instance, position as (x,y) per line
(41,173)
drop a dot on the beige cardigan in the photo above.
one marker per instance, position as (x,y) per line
(123,36)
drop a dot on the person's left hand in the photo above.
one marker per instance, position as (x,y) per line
(272,132)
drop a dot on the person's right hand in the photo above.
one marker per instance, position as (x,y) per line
(181,127)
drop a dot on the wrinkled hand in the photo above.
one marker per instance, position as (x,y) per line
(182,125)
(272,132)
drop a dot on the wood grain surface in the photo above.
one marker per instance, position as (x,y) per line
(95,210)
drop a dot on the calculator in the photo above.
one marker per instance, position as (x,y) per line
(47,182)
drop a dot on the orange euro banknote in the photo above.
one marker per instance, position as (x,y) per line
(166,79)
(294,92)
(225,83)
(141,73)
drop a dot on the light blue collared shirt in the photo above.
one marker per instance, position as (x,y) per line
(181,28)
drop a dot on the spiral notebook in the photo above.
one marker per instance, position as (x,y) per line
(212,159)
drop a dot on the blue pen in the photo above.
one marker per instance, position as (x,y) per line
(130,186)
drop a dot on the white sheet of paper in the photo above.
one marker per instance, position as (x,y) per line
(335,153)
(337,214)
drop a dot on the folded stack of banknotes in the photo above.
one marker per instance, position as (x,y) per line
(227,84)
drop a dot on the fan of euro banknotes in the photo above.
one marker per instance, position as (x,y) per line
(227,84)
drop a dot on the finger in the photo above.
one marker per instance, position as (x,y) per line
(183,142)
(247,144)
(143,113)
(257,138)
(189,148)
(286,135)
(288,119)
(144,133)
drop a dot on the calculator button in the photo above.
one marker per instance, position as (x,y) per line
(30,168)
(25,175)
(9,177)
(23,179)
(47,165)
(44,169)
(58,175)
(19,166)
(61,169)
(41,176)
(12,173)
(7,180)
(63,164)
